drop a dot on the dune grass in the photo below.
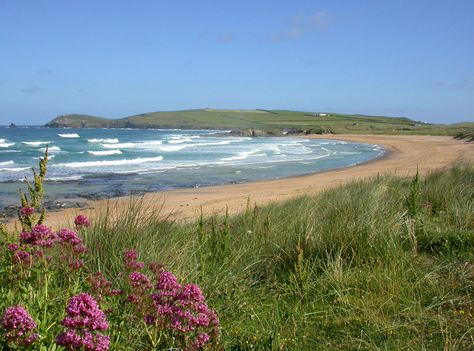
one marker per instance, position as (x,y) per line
(383,264)
(380,264)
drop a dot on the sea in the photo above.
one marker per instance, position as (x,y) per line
(103,163)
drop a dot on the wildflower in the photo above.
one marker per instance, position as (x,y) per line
(130,258)
(133,299)
(38,253)
(88,341)
(13,247)
(18,326)
(84,313)
(80,249)
(82,221)
(26,211)
(40,235)
(116,292)
(201,340)
(149,319)
(139,281)
(67,236)
(99,285)
(155,268)
(167,282)
(22,257)
(84,320)
(76,264)
(183,309)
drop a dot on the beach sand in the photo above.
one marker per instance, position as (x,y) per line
(404,155)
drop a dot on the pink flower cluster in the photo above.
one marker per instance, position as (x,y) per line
(84,321)
(41,238)
(40,235)
(130,258)
(26,211)
(100,286)
(18,326)
(183,309)
(82,221)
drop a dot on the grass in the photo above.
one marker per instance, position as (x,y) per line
(268,121)
(380,264)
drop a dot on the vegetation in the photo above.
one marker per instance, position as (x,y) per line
(467,133)
(55,296)
(380,264)
(265,121)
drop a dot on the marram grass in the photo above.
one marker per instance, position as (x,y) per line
(380,264)
(350,269)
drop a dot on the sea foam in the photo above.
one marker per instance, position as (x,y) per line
(6,163)
(70,135)
(17,169)
(5,144)
(51,149)
(105,153)
(106,141)
(35,143)
(134,161)
(244,155)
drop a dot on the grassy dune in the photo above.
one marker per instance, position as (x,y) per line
(383,264)
(269,121)
(380,264)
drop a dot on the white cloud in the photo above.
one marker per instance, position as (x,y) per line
(302,25)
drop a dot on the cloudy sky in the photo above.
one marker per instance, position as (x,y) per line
(411,58)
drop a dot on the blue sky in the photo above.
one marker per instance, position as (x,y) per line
(117,58)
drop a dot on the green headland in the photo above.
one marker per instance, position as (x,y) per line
(268,122)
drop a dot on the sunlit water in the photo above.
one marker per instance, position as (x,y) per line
(97,163)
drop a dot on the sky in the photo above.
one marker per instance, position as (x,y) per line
(412,58)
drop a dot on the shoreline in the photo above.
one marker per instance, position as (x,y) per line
(402,156)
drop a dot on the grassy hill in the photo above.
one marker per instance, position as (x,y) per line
(267,121)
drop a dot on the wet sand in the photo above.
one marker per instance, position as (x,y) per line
(404,155)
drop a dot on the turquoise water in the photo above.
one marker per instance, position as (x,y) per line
(96,163)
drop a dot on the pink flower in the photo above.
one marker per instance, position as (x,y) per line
(84,313)
(167,282)
(22,257)
(76,264)
(13,247)
(99,285)
(80,249)
(201,340)
(67,236)
(130,258)
(83,321)
(139,281)
(27,211)
(183,309)
(73,341)
(40,235)
(18,326)
(82,221)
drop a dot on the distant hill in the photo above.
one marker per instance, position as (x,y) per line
(264,122)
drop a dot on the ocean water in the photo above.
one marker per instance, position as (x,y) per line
(100,163)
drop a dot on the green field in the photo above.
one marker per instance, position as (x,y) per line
(267,121)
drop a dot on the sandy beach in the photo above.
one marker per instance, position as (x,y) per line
(404,154)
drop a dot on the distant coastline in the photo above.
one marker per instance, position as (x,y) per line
(265,122)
